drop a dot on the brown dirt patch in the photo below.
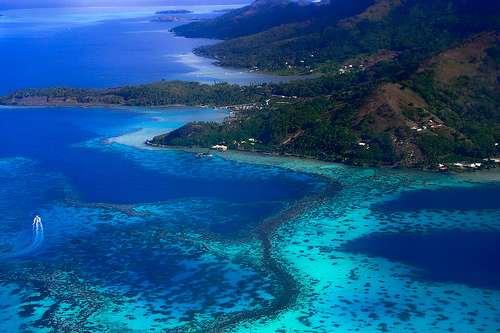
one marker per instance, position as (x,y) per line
(461,60)
(376,12)
(385,106)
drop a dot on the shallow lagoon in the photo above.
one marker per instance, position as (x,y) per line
(132,238)
(190,247)
(347,291)
(144,239)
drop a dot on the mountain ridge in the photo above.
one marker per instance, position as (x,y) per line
(421,107)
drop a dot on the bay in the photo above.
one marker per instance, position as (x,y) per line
(103,47)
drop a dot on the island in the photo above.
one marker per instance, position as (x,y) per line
(390,93)
(175,11)
(175,19)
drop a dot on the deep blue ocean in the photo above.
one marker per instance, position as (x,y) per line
(105,47)
(135,239)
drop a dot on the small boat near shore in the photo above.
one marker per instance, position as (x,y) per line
(207,154)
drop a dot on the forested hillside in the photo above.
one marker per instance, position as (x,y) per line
(266,14)
(326,35)
(407,83)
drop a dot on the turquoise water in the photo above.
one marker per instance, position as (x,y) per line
(124,229)
(364,267)
(138,239)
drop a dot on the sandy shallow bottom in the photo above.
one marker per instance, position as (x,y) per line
(176,271)
(345,292)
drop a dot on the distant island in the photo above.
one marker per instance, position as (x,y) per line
(405,84)
(177,11)
(175,19)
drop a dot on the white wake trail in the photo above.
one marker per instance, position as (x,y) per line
(36,239)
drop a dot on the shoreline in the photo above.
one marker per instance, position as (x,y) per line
(91,105)
(208,71)
(264,153)
(297,246)
(451,169)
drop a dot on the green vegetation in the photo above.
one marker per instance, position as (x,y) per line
(173,11)
(322,36)
(305,118)
(349,117)
(153,94)
(411,83)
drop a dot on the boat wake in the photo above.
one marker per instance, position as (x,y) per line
(36,240)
